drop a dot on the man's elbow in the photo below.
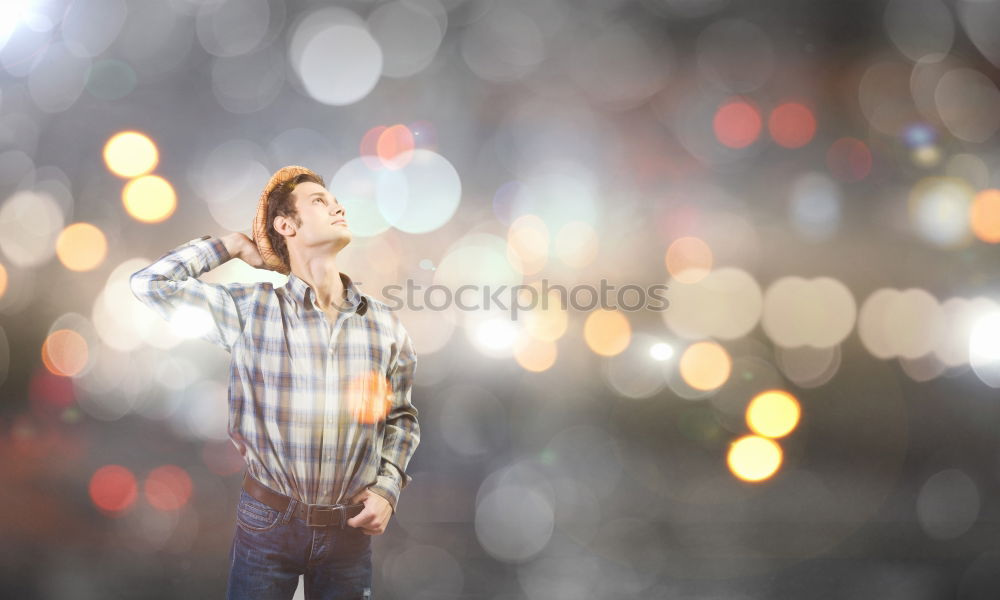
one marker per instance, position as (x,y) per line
(136,283)
(141,285)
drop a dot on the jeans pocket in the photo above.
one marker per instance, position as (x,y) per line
(255,516)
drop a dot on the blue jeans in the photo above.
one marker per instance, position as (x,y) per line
(272,548)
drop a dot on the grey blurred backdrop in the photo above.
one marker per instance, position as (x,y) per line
(815,182)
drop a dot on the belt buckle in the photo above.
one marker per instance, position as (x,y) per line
(320,509)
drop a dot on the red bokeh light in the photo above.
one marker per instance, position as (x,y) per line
(168,487)
(49,393)
(792,125)
(849,159)
(737,124)
(113,488)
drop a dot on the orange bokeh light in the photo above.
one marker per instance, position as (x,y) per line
(113,488)
(81,247)
(984,216)
(689,259)
(705,365)
(737,124)
(607,332)
(535,355)
(369,397)
(65,352)
(395,146)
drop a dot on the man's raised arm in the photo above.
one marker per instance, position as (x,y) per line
(170,287)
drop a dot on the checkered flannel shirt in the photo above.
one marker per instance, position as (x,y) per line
(319,410)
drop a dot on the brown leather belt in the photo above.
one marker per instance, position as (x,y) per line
(314,515)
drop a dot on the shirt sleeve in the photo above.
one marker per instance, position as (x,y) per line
(402,431)
(170,287)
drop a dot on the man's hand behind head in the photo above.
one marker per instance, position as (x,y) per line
(242,247)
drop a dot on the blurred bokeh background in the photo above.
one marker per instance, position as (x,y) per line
(815,414)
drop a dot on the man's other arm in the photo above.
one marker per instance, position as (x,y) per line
(402,431)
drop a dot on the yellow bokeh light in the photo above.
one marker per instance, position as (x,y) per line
(939,207)
(81,247)
(689,259)
(528,244)
(754,458)
(926,156)
(547,320)
(150,199)
(984,216)
(607,332)
(705,365)
(3,280)
(130,154)
(535,355)
(773,413)
(64,352)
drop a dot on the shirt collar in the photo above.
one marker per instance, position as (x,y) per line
(305,295)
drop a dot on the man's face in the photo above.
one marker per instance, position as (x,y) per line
(323,218)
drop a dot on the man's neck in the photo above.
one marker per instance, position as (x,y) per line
(328,288)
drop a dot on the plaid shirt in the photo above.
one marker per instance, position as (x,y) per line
(319,410)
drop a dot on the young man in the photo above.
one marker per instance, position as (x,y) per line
(319,392)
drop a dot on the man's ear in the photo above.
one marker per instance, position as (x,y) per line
(283,225)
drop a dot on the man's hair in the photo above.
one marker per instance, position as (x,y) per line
(280,202)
